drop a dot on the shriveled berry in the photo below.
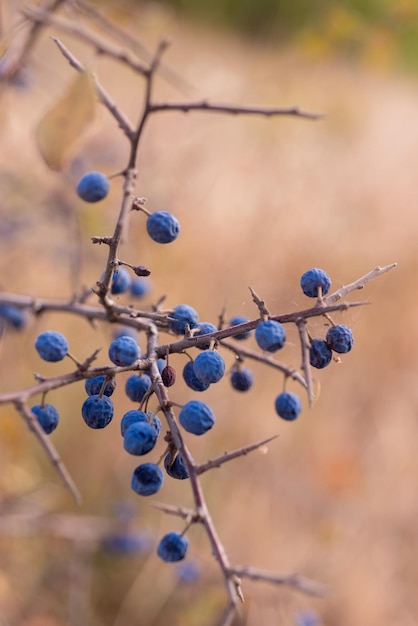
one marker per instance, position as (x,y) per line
(139,438)
(173,547)
(163,227)
(204,329)
(93,386)
(209,366)
(175,466)
(134,416)
(147,479)
(196,417)
(51,346)
(242,379)
(192,380)
(121,281)
(93,187)
(288,405)
(137,386)
(168,376)
(124,351)
(235,321)
(314,278)
(320,354)
(183,315)
(270,335)
(340,338)
(97,411)
(47,416)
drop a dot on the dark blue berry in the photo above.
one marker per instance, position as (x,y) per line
(173,547)
(47,416)
(175,467)
(139,438)
(51,346)
(127,542)
(235,321)
(140,287)
(97,411)
(137,386)
(93,386)
(124,351)
(163,227)
(242,379)
(13,316)
(204,329)
(121,281)
(314,278)
(192,380)
(340,338)
(320,354)
(147,479)
(288,405)
(270,335)
(196,417)
(209,366)
(182,315)
(93,187)
(134,416)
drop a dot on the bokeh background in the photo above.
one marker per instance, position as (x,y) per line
(259,201)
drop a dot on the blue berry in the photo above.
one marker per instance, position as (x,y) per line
(163,227)
(137,386)
(93,386)
(235,321)
(147,479)
(320,354)
(182,315)
(314,278)
(340,338)
(209,366)
(97,411)
(139,438)
(134,416)
(124,351)
(125,331)
(51,346)
(173,547)
(93,187)
(196,417)
(188,572)
(140,287)
(204,329)
(192,380)
(288,405)
(270,335)
(127,542)
(47,416)
(13,315)
(121,281)
(176,467)
(242,379)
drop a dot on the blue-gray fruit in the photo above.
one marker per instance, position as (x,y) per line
(314,278)
(137,386)
(47,416)
(270,335)
(173,547)
(340,338)
(121,281)
(147,479)
(209,366)
(139,438)
(163,227)
(320,354)
(242,379)
(196,417)
(94,386)
(288,405)
(124,351)
(97,411)
(51,346)
(183,315)
(93,187)
(192,380)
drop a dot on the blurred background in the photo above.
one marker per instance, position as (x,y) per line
(260,201)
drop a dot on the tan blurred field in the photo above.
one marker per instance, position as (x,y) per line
(259,201)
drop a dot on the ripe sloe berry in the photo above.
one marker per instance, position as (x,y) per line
(97,411)
(163,227)
(312,279)
(320,354)
(235,321)
(147,479)
(173,547)
(242,379)
(121,281)
(140,287)
(47,416)
(51,346)
(196,417)
(137,386)
(209,366)
(175,467)
(124,351)
(270,335)
(134,416)
(182,315)
(14,316)
(93,187)
(93,386)
(139,438)
(288,405)
(204,329)
(340,338)
(192,380)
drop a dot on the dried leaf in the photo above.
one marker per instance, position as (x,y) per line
(66,121)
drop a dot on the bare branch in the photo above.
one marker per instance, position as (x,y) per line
(234,454)
(306,367)
(208,107)
(357,284)
(296,581)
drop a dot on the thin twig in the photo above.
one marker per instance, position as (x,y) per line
(357,284)
(209,107)
(296,581)
(234,454)
(305,366)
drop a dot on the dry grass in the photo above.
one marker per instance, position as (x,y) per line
(259,201)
